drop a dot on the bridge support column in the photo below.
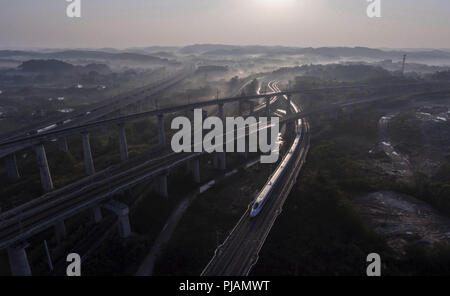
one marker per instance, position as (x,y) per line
(216,161)
(222,155)
(247,144)
(269,132)
(124,226)
(122,211)
(123,143)
(161,131)
(188,167)
(348,109)
(140,106)
(62,142)
(88,162)
(335,114)
(97,214)
(18,261)
(46,178)
(252,108)
(130,109)
(196,170)
(60,231)
(288,104)
(240,108)
(267,107)
(11,166)
(162,185)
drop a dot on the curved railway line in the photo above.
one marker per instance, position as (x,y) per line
(239,253)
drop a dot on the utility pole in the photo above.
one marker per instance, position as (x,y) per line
(403,65)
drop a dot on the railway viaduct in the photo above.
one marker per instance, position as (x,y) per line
(50,210)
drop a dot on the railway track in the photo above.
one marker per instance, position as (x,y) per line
(30,219)
(98,111)
(39,214)
(239,253)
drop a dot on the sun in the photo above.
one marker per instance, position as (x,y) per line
(276,3)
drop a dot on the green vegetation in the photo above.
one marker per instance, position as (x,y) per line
(320,232)
(208,221)
(405,132)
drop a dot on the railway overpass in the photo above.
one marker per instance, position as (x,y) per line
(97,190)
(135,98)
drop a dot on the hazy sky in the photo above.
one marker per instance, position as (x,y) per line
(127,23)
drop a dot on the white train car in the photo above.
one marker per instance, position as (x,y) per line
(278,174)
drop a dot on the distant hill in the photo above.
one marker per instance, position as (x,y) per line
(202,48)
(326,52)
(153,49)
(124,56)
(53,66)
(86,54)
(211,68)
(99,68)
(161,55)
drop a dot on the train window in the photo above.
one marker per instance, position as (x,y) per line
(256,205)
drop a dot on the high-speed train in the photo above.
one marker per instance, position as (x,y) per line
(278,174)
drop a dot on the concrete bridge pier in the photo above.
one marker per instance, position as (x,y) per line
(252,108)
(216,161)
(161,185)
(196,170)
(11,167)
(44,170)
(267,106)
(130,109)
(161,131)
(288,104)
(223,161)
(188,167)
(88,161)
(18,260)
(60,231)
(122,211)
(269,131)
(148,103)
(348,109)
(117,113)
(97,214)
(62,143)
(123,143)
(222,155)
(335,114)
(140,106)
(247,142)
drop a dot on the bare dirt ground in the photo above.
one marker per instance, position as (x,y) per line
(403,219)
